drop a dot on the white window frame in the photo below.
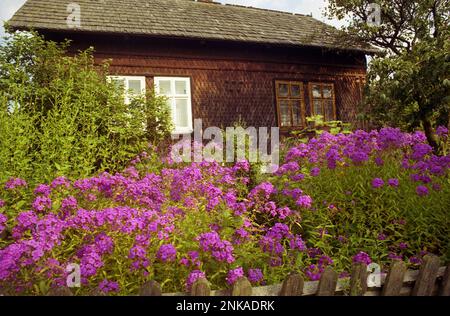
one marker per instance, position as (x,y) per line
(127,85)
(171,99)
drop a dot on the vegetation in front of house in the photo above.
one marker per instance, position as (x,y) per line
(362,197)
(60,116)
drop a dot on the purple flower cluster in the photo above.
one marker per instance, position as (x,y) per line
(234,275)
(42,203)
(255,276)
(362,257)
(193,277)
(3,220)
(13,183)
(108,286)
(167,253)
(221,250)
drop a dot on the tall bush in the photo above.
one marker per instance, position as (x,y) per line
(60,116)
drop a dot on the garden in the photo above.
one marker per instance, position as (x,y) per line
(88,181)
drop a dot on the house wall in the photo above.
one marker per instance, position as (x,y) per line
(230,80)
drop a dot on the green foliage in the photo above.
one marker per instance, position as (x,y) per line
(409,86)
(349,214)
(60,116)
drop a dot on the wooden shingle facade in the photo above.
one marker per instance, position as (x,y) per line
(217,62)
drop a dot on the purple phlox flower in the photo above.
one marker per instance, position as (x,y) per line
(3,220)
(108,286)
(422,190)
(69,203)
(13,183)
(60,182)
(42,189)
(394,256)
(42,203)
(393,183)
(315,172)
(255,275)
(442,131)
(362,257)
(234,275)
(377,183)
(166,253)
(304,201)
(193,277)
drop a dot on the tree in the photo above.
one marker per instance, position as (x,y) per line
(409,84)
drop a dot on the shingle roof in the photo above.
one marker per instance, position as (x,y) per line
(184,19)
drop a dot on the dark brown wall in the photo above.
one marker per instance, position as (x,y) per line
(231,80)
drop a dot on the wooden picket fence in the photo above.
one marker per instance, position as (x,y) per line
(430,280)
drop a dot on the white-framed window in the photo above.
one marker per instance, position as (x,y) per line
(178,92)
(132,85)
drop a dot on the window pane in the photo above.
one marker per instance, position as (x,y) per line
(119,83)
(285,113)
(327,92)
(297,114)
(180,87)
(329,115)
(135,86)
(283,90)
(164,87)
(316,91)
(181,113)
(317,104)
(295,90)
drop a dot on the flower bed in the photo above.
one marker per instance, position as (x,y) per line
(363,197)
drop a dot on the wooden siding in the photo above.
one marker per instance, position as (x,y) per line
(230,80)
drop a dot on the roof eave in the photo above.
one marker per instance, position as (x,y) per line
(20,27)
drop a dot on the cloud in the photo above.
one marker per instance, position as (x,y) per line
(314,7)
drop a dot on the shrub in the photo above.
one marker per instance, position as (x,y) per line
(60,116)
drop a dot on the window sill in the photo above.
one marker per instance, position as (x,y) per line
(183,132)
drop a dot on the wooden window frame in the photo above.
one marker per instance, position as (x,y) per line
(127,84)
(312,98)
(301,99)
(178,130)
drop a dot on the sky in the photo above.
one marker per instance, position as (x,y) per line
(316,7)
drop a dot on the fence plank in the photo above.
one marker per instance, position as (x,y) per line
(445,286)
(394,279)
(201,288)
(358,280)
(427,276)
(150,288)
(60,291)
(242,287)
(327,283)
(292,285)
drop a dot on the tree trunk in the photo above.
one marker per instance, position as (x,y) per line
(430,134)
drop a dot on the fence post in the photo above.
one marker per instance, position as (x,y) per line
(201,288)
(150,288)
(426,280)
(394,279)
(327,283)
(242,287)
(292,285)
(358,280)
(445,286)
